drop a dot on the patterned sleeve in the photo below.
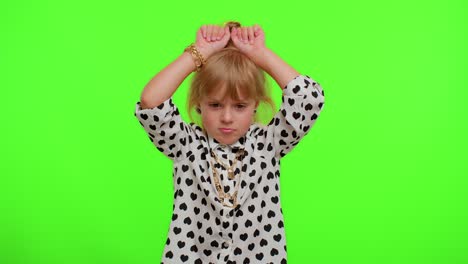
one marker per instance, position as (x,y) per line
(165,128)
(302,102)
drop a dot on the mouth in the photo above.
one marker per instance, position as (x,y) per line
(226,130)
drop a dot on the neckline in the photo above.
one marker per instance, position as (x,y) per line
(239,144)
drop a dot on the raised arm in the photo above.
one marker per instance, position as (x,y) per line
(251,41)
(209,39)
(302,98)
(276,67)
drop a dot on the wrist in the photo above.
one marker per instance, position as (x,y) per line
(206,52)
(199,58)
(261,57)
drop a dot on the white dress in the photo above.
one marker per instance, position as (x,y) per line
(203,230)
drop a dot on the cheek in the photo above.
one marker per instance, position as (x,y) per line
(247,119)
(207,118)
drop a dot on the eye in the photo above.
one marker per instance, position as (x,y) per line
(241,106)
(214,105)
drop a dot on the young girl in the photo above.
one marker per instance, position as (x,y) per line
(227,207)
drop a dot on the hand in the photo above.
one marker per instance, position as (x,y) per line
(211,39)
(249,40)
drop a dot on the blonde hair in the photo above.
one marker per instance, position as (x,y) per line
(230,68)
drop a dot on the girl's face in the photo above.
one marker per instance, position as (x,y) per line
(226,119)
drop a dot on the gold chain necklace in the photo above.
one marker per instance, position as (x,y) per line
(221,194)
(230,169)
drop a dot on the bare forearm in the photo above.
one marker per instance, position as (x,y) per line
(163,85)
(277,68)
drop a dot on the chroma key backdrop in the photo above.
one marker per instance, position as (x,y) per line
(380,178)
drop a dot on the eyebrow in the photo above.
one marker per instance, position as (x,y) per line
(213,100)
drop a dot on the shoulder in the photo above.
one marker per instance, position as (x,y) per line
(255,130)
(197,131)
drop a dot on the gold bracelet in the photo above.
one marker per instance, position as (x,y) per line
(196,55)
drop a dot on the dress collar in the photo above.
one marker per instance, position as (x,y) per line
(239,144)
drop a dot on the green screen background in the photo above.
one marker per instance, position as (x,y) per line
(381,177)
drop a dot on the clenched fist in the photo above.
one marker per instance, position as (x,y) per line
(211,39)
(249,40)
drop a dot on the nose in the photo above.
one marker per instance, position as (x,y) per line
(226,115)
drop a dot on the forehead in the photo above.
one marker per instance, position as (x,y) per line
(222,93)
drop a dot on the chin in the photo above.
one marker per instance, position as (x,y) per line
(227,141)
